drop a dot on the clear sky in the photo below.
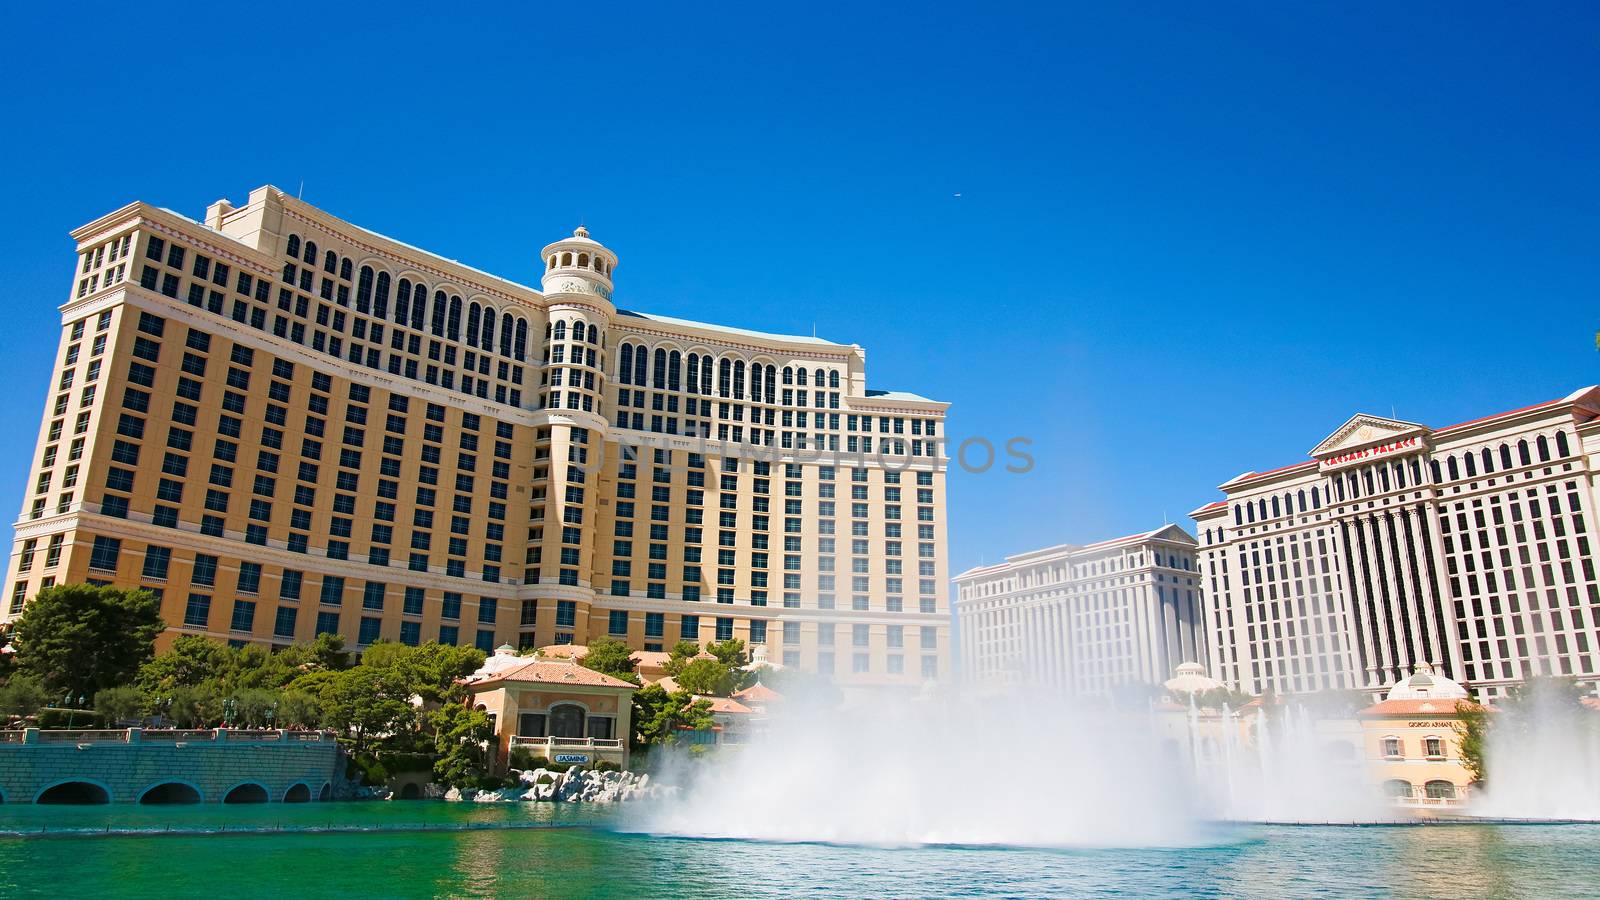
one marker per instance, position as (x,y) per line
(1167,243)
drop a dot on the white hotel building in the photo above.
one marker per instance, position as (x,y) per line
(1083,619)
(1468,548)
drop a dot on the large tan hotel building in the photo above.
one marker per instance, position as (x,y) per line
(1469,549)
(285,424)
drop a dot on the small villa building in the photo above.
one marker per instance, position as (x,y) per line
(1411,745)
(555,708)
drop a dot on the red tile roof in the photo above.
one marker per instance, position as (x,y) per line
(757,693)
(554,672)
(1432,706)
(726,705)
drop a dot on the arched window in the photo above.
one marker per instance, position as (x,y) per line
(330,262)
(1301,500)
(625,367)
(474,313)
(552,264)
(454,329)
(566,258)
(800,377)
(1562,450)
(833,378)
(1238,515)
(1440,789)
(660,369)
(440,301)
(1434,465)
(506,325)
(560,332)
(639,363)
(1316,499)
(566,721)
(705,377)
(1488,461)
(521,348)
(738,380)
(344,269)
(402,302)
(486,336)
(1522,452)
(1455,470)
(1383,477)
(674,370)
(821,379)
(380,296)
(1505,456)
(419,305)
(1397,789)
(1392,748)
(1276,509)
(1399,475)
(583,260)
(694,373)
(292,250)
(1250,512)
(1472,465)
(755,383)
(311,252)
(788,375)
(1544,448)
(594,334)
(725,377)
(364,291)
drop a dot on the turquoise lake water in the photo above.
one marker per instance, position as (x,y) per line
(574,851)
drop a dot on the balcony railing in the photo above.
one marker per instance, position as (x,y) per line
(161,736)
(567,743)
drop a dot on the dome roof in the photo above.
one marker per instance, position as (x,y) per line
(1423,684)
(1191,678)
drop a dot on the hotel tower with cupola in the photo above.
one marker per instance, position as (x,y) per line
(285,424)
(1468,549)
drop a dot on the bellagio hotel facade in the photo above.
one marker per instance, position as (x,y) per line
(1469,549)
(284,424)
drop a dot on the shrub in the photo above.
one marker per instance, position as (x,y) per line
(546,778)
(606,765)
(522,758)
(372,772)
(65,718)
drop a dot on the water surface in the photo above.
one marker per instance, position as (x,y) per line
(578,851)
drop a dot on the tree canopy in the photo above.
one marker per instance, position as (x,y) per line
(79,639)
(609,656)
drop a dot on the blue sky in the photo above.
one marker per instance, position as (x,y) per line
(1190,240)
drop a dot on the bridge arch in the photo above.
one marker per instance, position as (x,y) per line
(247,792)
(77,791)
(171,792)
(327,791)
(299,792)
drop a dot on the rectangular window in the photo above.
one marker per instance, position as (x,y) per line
(197,612)
(244,616)
(156,560)
(205,570)
(283,623)
(618,624)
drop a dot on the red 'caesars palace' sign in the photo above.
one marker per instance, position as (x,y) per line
(1369,452)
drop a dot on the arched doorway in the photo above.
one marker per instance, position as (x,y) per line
(170,792)
(566,721)
(297,793)
(74,792)
(247,793)
(410,791)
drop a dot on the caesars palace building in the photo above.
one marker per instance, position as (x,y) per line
(1469,549)
(285,425)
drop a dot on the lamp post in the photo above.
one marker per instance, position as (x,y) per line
(272,713)
(230,708)
(72,711)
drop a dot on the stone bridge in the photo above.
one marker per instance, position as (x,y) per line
(166,766)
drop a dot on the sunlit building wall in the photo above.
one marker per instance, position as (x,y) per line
(286,424)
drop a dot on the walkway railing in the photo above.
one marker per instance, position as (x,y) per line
(162,736)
